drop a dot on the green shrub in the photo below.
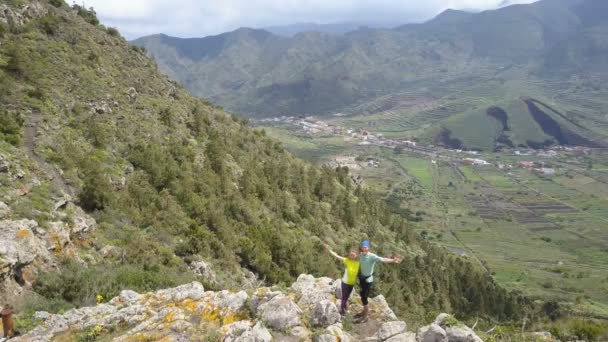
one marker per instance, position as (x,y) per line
(89,15)
(10,127)
(49,24)
(75,285)
(56,3)
(113,32)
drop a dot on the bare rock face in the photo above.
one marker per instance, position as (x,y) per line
(20,245)
(5,211)
(188,312)
(391,329)
(310,290)
(280,313)
(431,333)
(19,16)
(324,314)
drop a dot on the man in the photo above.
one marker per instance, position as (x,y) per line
(368,261)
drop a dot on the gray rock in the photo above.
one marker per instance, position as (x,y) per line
(327,338)
(280,313)
(403,337)
(381,306)
(311,290)
(60,235)
(461,334)
(442,318)
(300,333)
(258,333)
(235,330)
(19,245)
(5,210)
(3,162)
(126,297)
(194,291)
(325,313)
(431,333)
(261,296)
(390,329)
(203,269)
(81,221)
(111,252)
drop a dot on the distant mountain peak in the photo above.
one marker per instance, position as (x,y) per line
(451,15)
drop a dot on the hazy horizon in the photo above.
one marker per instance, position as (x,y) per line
(190,18)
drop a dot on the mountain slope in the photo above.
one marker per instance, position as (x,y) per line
(536,50)
(174,184)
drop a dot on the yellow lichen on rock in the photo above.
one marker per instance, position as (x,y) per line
(23,234)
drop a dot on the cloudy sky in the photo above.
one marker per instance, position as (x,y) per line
(198,18)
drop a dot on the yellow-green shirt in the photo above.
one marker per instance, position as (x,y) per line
(351,271)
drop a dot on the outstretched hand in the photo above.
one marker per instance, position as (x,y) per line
(397,259)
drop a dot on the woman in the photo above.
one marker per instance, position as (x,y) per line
(349,279)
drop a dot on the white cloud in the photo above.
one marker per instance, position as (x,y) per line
(192,18)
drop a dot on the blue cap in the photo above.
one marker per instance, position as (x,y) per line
(366,243)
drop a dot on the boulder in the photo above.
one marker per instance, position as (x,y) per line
(390,329)
(59,235)
(194,291)
(300,333)
(327,338)
(81,221)
(461,334)
(379,305)
(203,269)
(442,319)
(325,313)
(5,211)
(3,164)
(258,333)
(261,296)
(280,313)
(431,333)
(403,337)
(19,245)
(310,290)
(126,297)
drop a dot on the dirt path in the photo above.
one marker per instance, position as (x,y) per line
(51,171)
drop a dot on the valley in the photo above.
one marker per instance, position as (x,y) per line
(535,219)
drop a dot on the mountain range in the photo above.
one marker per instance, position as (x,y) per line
(429,78)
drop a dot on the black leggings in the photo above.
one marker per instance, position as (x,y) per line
(346,290)
(365,289)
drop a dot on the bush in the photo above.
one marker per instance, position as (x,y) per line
(56,3)
(89,15)
(49,24)
(113,32)
(76,286)
(10,127)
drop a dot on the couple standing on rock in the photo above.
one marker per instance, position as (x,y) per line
(362,267)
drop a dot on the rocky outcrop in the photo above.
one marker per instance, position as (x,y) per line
(17,17)
(188,312)
(446,328)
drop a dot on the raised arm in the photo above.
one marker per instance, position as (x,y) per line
(393,260)
(333,253)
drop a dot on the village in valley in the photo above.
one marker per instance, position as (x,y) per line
(533,160)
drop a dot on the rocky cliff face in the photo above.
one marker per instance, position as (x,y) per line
(38,223)
(306,311)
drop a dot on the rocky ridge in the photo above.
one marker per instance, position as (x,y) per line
(306,311)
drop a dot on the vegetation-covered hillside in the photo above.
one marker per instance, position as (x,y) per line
(171,179)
